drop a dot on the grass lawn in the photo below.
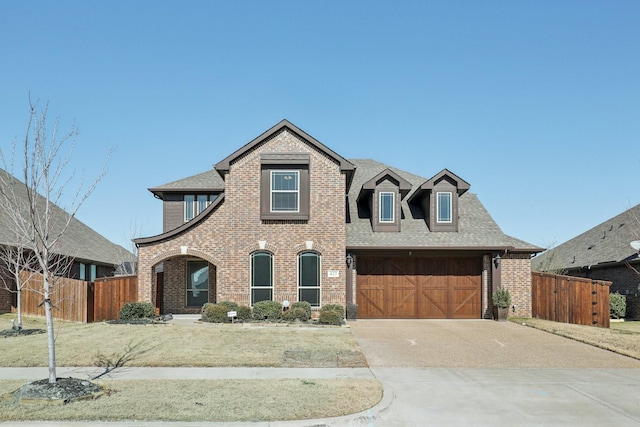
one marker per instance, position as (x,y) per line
(193,344)
(175,344)
(621,337)
(222,401)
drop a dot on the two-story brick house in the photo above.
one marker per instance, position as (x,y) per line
(286,218)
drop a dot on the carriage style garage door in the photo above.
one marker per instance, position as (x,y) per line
(419,288)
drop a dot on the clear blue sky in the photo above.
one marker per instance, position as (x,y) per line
(535,103)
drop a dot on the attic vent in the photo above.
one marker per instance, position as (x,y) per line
(591,246)
(604,234)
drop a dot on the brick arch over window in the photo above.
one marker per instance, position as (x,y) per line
(261,247)
(182,252)
(309,247)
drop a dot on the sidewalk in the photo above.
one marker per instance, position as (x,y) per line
(135,373)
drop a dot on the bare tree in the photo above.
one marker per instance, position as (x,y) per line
(33,206)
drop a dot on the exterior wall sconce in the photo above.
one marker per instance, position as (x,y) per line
(349,260)
(496,261)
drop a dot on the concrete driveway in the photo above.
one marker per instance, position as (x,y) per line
(475,344)
(485,373)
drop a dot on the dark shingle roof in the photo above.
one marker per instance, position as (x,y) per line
(605,243)
(476,227)
(79,241)
(205,181)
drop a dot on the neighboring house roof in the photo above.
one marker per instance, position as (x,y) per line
(605,244)
(477,230)
(206,181)
(79,241)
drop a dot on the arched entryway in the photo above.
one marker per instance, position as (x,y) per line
(184,282)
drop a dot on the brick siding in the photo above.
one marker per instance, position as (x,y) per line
(516,277)
(234,230)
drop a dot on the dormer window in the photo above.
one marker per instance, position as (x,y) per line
(387,207)
(438,198)
(444,207)
(380,199)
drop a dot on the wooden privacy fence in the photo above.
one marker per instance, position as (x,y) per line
(80,301)
(570,299)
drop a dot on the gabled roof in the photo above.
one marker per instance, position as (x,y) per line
(79,241)
(477,229)
(345,165)
(462,185)
(404,186)
(605,244)
(209,181)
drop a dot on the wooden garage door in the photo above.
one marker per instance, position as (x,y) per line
(419,288)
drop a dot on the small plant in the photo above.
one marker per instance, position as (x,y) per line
(617,305)
(303,305)
(502,298)
(294,314)
(136,310)
(267,310)
(332,314)
(215,313)
(352,311)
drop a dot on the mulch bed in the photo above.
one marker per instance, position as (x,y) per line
(63,391)
(6,333)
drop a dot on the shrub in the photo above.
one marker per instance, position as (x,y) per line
(330,317)
(231,306)
(295,313)
(332,314)
(303,305)
(267,310)
(244,313)
(617,305)
(214,313)
(337,308)
(136,310)
(502,298)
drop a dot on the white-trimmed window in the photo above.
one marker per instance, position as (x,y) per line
(387,206)
(285,191)
(309,278)
(444,206)
(194,204)
(197,283)
(261,277)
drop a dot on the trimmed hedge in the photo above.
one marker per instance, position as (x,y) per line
(294,314)
(215,313)
(244,313)
(332,314)
(267,310)
(136,310)
(304,305)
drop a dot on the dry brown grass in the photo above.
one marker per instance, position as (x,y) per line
(173,344)
(194,344)
(200,400)
(622,338)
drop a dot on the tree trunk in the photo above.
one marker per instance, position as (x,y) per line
(19,307)
(51,342)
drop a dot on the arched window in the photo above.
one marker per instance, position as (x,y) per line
(309,278)
(261,277)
